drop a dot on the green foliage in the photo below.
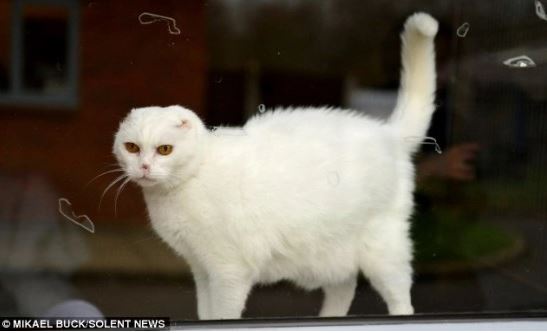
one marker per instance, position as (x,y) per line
(450,236)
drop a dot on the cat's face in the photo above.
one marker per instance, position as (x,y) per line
(154,144)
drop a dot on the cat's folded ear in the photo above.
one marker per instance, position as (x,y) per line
(184,124)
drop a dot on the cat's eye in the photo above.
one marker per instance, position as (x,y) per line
(164,149)
(131,147)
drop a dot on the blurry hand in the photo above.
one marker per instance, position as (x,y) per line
(456,163)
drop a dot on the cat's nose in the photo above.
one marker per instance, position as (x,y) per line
(145,167)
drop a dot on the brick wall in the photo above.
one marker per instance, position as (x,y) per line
(123,64)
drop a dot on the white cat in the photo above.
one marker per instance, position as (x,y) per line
(310,195)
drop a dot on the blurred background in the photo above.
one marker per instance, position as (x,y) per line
(70,70)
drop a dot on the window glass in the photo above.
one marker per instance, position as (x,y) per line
(76,238)
(4,54)
(45,48)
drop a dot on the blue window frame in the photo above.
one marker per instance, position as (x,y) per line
(18,92)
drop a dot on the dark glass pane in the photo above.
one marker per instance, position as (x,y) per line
(5,41)
(71,229)
(45,48)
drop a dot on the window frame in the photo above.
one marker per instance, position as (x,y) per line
(526,320)
(16,95)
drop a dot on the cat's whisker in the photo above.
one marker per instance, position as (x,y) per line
(102,174)
(108,166)
(118,192)
(105,165)
(109,187)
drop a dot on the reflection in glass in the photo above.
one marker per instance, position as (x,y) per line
(480,222)
(45,44)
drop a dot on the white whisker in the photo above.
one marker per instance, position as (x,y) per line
(120,189)
(105,165)
(102,174)
(109,165)
(110,186)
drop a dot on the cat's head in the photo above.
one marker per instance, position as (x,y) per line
(159,146)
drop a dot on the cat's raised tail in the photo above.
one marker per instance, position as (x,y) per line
(415,102)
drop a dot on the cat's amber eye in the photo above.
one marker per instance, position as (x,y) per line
(164,149)
(131,147)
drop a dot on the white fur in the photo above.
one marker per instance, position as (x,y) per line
(310,195)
